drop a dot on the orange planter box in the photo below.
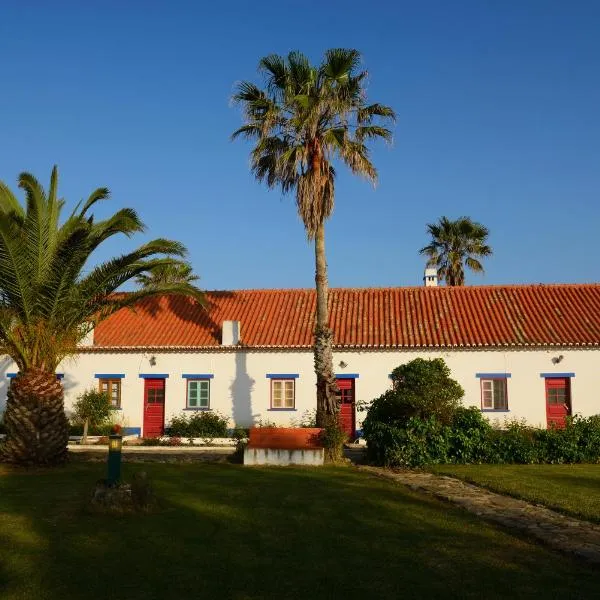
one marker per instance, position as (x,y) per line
(286,438)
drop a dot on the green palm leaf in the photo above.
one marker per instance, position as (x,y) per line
(46,298)
(455,244)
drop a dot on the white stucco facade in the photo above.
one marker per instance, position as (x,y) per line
(240,387)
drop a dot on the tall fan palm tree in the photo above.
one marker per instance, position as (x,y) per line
(304,119)
(455,244)
(48,302)
(177,272)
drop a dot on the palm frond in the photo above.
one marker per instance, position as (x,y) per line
(455,244)
(44,295)
(304,120)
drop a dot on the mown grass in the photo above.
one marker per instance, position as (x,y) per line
(571,489)
(232,532)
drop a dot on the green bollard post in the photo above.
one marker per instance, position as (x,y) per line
(115,443)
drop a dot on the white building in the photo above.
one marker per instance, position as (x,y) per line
(528,352)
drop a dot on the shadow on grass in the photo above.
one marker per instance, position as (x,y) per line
(235,532)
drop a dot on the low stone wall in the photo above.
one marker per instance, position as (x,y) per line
(313,457)
(284,446)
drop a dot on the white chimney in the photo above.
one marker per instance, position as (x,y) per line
(232,333)
(430,278)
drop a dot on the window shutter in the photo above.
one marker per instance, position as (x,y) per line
(277,394)
(192,394)
(203,393)
(289,394)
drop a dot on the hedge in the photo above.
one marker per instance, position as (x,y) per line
(469,438)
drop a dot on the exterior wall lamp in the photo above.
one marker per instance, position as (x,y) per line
(115,445)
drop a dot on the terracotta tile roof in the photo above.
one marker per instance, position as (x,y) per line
(527,315)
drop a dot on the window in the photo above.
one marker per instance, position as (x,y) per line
(198,393)
(557,395)
(283,393)
(112,387)
(493,394)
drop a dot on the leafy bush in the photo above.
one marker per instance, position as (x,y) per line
(240,433)
(92,409)
(151,442)
(421,388)
(308,419)
(420,422)
(205,424)
(516,443)
(266,423)
(172,441)
(579,441)
(419,442)
(469,436)
(104,429)
(2,426)
(471,439)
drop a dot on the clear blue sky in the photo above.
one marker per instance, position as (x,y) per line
(499,119)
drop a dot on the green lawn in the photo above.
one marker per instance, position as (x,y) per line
(572,489)
(225,531)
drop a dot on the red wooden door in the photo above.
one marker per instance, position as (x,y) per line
(558,400)
(347,406)
(154,407)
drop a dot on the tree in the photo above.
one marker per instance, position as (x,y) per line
(92,409)
(305,118)
(177,272)
(422,388)
(454,244)
(50,300)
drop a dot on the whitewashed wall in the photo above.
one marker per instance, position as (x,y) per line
(240,388)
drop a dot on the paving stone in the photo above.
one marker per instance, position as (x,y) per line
(573,536)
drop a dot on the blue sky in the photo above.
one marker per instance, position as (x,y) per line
(498,106)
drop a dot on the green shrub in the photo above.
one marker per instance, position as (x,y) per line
(104,429)
(2,426)
(151,442)
(579,441)
(421,388)
(470,435)
(240,433)
(204,424)
(91,410)
(471,439)
(517,443)
(307,420)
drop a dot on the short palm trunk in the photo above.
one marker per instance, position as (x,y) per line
(37,430)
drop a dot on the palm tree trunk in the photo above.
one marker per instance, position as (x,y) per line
(85,432)
(37,430)
(327,404)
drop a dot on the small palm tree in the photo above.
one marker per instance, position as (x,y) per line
(177,272)
(48,302)
(304,119)
(455,244)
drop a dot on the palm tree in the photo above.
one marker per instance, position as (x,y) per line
(177,272)
(454,244)
(305,118)
(49,302)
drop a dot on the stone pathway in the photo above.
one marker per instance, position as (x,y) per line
(558,531)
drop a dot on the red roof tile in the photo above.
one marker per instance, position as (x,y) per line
(526,315)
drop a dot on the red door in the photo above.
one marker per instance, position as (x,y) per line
(558,400)
(347,406)
(154,407)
